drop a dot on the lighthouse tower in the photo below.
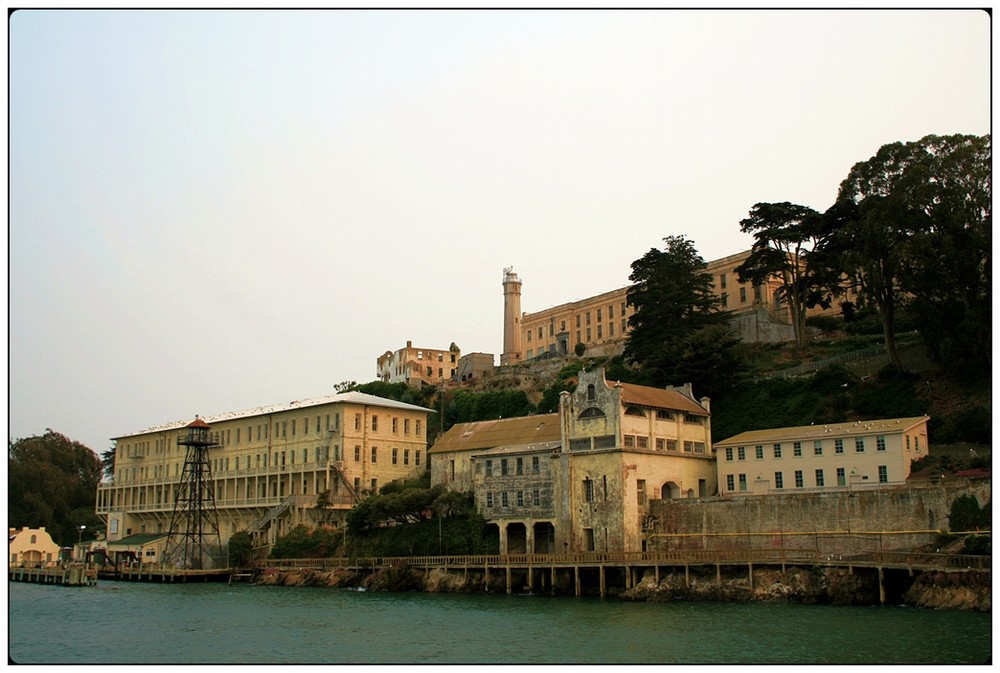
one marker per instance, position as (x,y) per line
(511,318)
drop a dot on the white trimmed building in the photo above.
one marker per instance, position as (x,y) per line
(860,454)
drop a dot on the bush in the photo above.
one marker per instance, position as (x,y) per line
(977,545)
(967,515)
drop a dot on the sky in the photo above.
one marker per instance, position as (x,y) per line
(211,211)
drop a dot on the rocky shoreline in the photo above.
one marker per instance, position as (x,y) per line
(833,586)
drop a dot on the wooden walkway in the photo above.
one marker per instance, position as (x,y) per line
(536,566)
(73,575)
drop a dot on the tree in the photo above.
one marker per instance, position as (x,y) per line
(915,223)
(240,549)
(947,273)
(52,482)
(673,298)
(785,235)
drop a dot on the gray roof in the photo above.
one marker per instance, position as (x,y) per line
(350,397)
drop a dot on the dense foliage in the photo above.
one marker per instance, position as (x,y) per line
(678,330)
(912,225)
(52,483)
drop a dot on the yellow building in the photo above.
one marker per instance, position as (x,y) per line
(269,464)
(31,547)
(861,454)
(418,366)
(581,479)
(600,322)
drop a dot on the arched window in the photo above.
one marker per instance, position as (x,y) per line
(634,411)
(591,412)
(34,539)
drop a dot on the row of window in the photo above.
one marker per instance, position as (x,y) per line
(819,478)
(662,444)
(263,460)
(531,498)
(776,449)
(276,430)
(511,466)
(394,455)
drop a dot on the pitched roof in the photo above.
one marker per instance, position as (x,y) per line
(350,397)
(519,431)
(806,432)
(659,398)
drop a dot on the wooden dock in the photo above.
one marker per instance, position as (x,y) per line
(72,575)
(144,572)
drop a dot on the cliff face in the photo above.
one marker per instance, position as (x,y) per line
(831,586)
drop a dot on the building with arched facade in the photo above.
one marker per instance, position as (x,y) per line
(31,547)
(581,479)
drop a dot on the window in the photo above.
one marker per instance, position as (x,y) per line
(630,441)
(374,423)
(841,477)
(799,482)
(819,478)
(640,487)
(688,446)
(664,415)
(642,442)
(374,485)
(579,444)
(519,469)
(880,443)
(817,447)
(406,426)
(797,449)
(777,450)
(741,453)
(671,445)
(536,497)
(759,452)
(504,501)
(416,457)
(634,411)
(406,456)
(859,445)
(503,466)
(489,499)
(417,427)
(722,281)
(395,454)
(489,468)
(535,464)
(730,483)
(520,498)
(374,454)
(838,446)
(729,453)
(743,295)
(779,480)
(588,490)
(883,474)
(357,421)
(743,482)
(395,425)
(293,427)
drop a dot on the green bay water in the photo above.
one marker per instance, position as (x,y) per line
(137,623)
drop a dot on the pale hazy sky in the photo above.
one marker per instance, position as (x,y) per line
(215,210)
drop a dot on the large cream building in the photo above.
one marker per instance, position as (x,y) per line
(581,479)
(269,464)
(600,322)
(860,454)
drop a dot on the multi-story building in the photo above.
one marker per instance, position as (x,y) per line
(474,367)
(600,323)
(418,366)
(268,465)
(581,479)
(825,457)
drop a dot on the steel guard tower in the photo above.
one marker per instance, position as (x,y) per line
(193,539)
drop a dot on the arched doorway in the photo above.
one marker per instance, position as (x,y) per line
(670,491)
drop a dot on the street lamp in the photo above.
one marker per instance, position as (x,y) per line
(79,537)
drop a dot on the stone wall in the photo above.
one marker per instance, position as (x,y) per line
(773,520)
